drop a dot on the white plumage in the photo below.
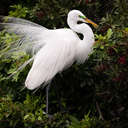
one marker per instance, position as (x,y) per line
(53,50)
(46,66)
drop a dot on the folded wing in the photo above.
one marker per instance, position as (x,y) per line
(50,60)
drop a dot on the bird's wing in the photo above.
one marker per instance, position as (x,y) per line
(50,60)
(8,19)
(30,34)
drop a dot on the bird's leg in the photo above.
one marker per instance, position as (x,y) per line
(47,91)
(59,94)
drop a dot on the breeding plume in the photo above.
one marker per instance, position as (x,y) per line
(52,51)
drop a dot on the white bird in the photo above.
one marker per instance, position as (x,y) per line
(63,47)
(52,50)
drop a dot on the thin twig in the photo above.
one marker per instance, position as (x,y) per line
(99,111)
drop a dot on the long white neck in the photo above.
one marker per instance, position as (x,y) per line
(84,46)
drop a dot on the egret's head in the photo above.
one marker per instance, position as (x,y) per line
(76,15)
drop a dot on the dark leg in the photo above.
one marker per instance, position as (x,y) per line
(47,91)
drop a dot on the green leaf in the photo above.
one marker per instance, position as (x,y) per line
(101,47)
(109,33)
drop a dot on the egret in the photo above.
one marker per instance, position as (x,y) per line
(52,50)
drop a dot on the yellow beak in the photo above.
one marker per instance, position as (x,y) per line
(91,22)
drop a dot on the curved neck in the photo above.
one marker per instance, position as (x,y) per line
(84,46)
(83,29)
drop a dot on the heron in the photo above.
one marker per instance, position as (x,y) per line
(52,50)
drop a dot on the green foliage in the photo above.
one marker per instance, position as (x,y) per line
(28,114)
(19,11)
(88,122)
(101,80)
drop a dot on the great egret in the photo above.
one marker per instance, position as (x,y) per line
(52,50)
